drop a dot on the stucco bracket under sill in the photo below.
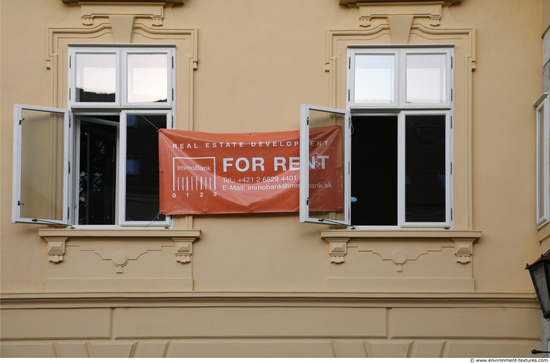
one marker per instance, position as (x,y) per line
(56,237)
(339,238)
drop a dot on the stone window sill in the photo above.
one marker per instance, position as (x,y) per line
(57,238)
(338,240)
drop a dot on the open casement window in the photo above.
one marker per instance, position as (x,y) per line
(543,160)
(400,142)
(103,165)
(40,165)
(317,186)
(96,164)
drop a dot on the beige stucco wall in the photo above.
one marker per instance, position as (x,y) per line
(266,285)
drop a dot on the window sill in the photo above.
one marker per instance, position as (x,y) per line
(182,239)
(338,240)
(401,260)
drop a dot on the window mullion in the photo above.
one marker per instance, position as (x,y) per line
(122,147)
(401,79)
(449,175)
(401,169)
(74,180)
(122,77)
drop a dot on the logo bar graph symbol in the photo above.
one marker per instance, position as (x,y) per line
(193,173)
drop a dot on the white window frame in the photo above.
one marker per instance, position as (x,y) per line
(304,214)
(400,85)
(17,164)
(542,107)
(400,108)
(123,157)
(121,94)
(71,132)
(401,173)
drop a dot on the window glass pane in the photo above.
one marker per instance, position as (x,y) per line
(425,172)
(95,77)
(97,172)
(147,77)
(142,167)
(540,165)
(426,78)
(325,173)
(374,79)
(374,171)
(42,150)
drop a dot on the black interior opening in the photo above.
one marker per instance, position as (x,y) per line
(374,170)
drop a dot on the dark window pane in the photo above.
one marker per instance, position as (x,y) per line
(374,170)
(425,182)
(142,167)
(97,174)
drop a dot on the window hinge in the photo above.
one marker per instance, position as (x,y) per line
(21,121)
(172,94)
(452,94)
(307,121)
(349,62)
(451,214)
(349,95)
(69,167)
(172,62)
(70,94)
(452,62)
(451,122)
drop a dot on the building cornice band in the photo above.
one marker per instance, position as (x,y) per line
(396,2)
(221,299)
(165,3)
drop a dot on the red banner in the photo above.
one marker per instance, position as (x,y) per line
(205,173)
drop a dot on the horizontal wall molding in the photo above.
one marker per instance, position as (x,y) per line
(220,299)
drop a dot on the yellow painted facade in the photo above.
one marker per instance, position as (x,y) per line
(266,285)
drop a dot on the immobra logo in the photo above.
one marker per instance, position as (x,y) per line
(194,168)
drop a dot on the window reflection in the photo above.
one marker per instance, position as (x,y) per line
(374,79)
(147,78)
(95,77)
(426,78)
